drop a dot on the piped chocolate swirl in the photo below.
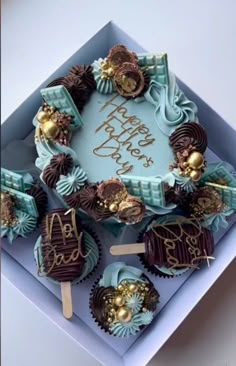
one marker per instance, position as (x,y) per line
(189,135)
(62,249)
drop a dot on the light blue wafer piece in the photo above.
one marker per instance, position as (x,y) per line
(156,66)
(59,97)
(12,180)
(219,174)
(24,202)
(228,194)
(148,189)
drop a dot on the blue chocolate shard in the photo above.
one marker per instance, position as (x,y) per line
(156,66)
(24,202)
(59,97)
(12,180)
(148,189)
(219,176)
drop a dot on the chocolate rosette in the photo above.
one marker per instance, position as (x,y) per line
(62,163)
(129,80)
(56,82)
(41,199)
(50,176)
(77,89)
(73,200)
(84,72)
(189,134)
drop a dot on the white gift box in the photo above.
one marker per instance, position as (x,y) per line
(178,295)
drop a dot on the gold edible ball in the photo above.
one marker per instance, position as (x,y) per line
(195,175)
(119,301)
(42,117)
(195,160)
(132,287)
(124,315)
(113,207)
(110,72)
(50,129)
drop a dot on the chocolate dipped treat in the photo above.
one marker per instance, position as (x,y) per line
(65,253)
(171,245)
(123,301)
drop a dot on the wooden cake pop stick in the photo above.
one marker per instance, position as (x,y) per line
(66,297)
(124,249)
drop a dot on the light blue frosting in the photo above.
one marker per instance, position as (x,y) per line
(186,183)
(172,108)
(71,182)
(90,261)
(117,272)
(124,330)
(104,86)
(47,149)
(25,225)
(134,302)
(215,222)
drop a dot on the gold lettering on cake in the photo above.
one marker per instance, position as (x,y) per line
(121,129)
(190,239)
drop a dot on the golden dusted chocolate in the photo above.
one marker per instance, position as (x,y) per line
(120,54)
(205,201)
(129,80)
(131,210)
(7,209)
(109,190)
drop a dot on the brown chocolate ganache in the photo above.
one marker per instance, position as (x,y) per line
(63,248)
(193,246)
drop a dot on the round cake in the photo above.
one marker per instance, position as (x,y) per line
(123,117)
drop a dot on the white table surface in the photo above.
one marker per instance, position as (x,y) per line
(199,37)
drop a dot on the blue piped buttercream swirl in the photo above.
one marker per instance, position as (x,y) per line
(104,86)
(25,224)
(117,272)
(172,108)
(71,182)
(124,330)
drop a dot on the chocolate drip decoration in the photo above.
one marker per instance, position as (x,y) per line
(41,198)
(189,135)
(62,246)
(62,163)
(50,176)
(98,305)
(176,246)
(73,200)
(84,72)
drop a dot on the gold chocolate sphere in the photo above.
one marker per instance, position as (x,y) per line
(195,175)
(132,287)
(113,207)
(124,315)
(195,160)
(119,300)
(42,117)
(50,129)
(110,72)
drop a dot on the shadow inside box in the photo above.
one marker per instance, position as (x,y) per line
(22,251)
